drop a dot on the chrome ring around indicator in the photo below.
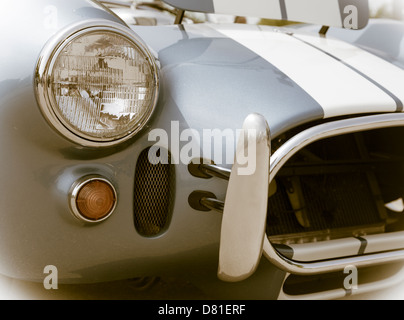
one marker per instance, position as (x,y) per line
(75,189)
(43,73)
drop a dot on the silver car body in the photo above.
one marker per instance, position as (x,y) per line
(212,76)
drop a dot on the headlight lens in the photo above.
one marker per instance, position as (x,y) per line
(99,86)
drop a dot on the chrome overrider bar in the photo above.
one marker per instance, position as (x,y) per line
(245,209)
(243,239)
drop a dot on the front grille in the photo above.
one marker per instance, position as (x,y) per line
(328,190)
(331,202)
(153,194)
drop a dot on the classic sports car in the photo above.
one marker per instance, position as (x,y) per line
(260,162)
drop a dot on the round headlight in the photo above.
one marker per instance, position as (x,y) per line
(97,85)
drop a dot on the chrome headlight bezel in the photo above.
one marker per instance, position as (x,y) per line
(43,77)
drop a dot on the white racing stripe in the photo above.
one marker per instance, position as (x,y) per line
(380,71)
(340,90)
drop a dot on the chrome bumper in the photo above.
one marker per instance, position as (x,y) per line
(243,239)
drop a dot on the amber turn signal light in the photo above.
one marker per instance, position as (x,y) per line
(92,198)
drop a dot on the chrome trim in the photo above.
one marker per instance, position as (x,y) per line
(295,144)
(311,268)
(215,171)
(245,209)
(328,130)
(212,204)
(386,282)
(204,201)
(43,72)
(74,190)
(344,247)
(298,142)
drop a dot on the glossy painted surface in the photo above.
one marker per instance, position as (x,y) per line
(382,38)
(215,82)
(39,166)
(208,81)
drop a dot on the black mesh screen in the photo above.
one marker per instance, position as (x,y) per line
(332,201)
(153,194)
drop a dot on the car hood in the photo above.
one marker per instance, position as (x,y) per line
(217,74)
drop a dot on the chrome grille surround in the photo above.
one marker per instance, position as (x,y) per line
(297,143)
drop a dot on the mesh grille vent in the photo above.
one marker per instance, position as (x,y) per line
(153,194)
(332,201)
